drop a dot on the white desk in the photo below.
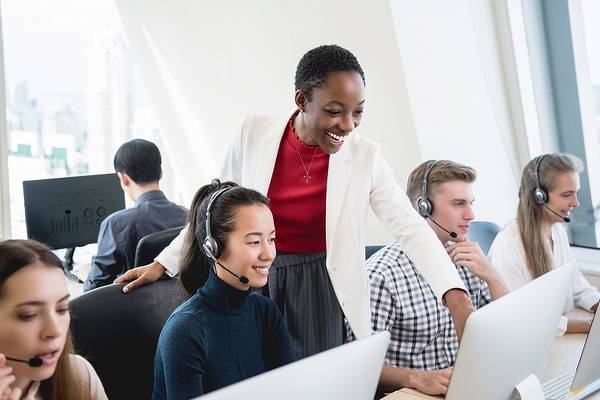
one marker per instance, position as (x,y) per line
(564,358)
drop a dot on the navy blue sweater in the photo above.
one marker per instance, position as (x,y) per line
(196,352)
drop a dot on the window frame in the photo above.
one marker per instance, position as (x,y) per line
(5,223)
(561,83)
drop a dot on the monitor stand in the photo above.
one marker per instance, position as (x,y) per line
(530,389)
(68,265)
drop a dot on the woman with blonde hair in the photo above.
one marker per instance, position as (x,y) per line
(536,242)
(36,353)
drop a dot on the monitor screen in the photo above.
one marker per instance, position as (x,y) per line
(510,339)
(67,212)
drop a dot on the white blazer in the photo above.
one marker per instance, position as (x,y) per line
(358,176)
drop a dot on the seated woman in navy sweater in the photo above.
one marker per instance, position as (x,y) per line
(224,333)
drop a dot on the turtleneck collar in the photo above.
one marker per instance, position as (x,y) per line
(215,291)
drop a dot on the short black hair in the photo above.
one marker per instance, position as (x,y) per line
(315,66)
(140,160)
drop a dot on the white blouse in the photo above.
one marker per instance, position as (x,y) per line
(507,254)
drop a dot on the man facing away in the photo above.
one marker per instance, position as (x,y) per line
(138,164)
(423,342)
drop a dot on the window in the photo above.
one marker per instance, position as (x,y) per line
(73,94)
(563,39)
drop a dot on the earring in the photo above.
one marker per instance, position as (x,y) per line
(302,110)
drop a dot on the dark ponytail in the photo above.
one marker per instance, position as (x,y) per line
(194,264)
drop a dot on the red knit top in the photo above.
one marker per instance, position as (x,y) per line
(298,207)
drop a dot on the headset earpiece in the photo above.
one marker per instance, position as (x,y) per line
(425,207)
(540,196)
(211,248)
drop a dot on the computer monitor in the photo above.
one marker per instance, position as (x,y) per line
(510,339)
(587,376)
(67,212)
(350,371)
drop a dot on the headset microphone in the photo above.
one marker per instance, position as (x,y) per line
(33,362)
(566,219)
(241,278)
(452,234)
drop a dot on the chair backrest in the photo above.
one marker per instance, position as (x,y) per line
(118,333)
(151,245)
(483,233)
(370,250)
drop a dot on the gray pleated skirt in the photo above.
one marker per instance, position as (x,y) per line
(300,286)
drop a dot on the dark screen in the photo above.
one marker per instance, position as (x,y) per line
(67,212)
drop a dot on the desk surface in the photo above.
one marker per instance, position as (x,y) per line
(564,358)
(75,289)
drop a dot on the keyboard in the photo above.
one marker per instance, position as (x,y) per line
(557,388)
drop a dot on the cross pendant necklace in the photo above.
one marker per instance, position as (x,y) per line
(307,176)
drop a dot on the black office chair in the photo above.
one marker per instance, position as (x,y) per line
(151,245)
(483,233)
(118,333)
(370,250)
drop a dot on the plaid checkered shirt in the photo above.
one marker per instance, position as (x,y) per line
(423,335)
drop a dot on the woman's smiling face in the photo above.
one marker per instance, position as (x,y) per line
(563,199)
(333,111)
(250,248)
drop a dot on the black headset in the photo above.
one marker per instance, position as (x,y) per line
(212,246)
(540,195)
(425,205)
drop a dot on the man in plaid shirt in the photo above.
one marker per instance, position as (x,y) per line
(424,343)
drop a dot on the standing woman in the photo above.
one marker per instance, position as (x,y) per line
(224,333)
(36,353)
(536,242)
(321,178)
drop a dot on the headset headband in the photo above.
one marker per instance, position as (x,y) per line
(537,170)
(429,167)
(213,198)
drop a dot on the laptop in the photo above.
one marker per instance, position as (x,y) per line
(508,342)
(350,371)
(586,379)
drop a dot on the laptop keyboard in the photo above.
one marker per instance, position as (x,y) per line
(557,388)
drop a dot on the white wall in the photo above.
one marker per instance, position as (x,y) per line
(455,80)
(435,84)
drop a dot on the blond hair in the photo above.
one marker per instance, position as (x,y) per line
(443,171)
(538,254)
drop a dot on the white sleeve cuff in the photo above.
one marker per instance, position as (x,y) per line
(589,300)
(169,257)
(562,326)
